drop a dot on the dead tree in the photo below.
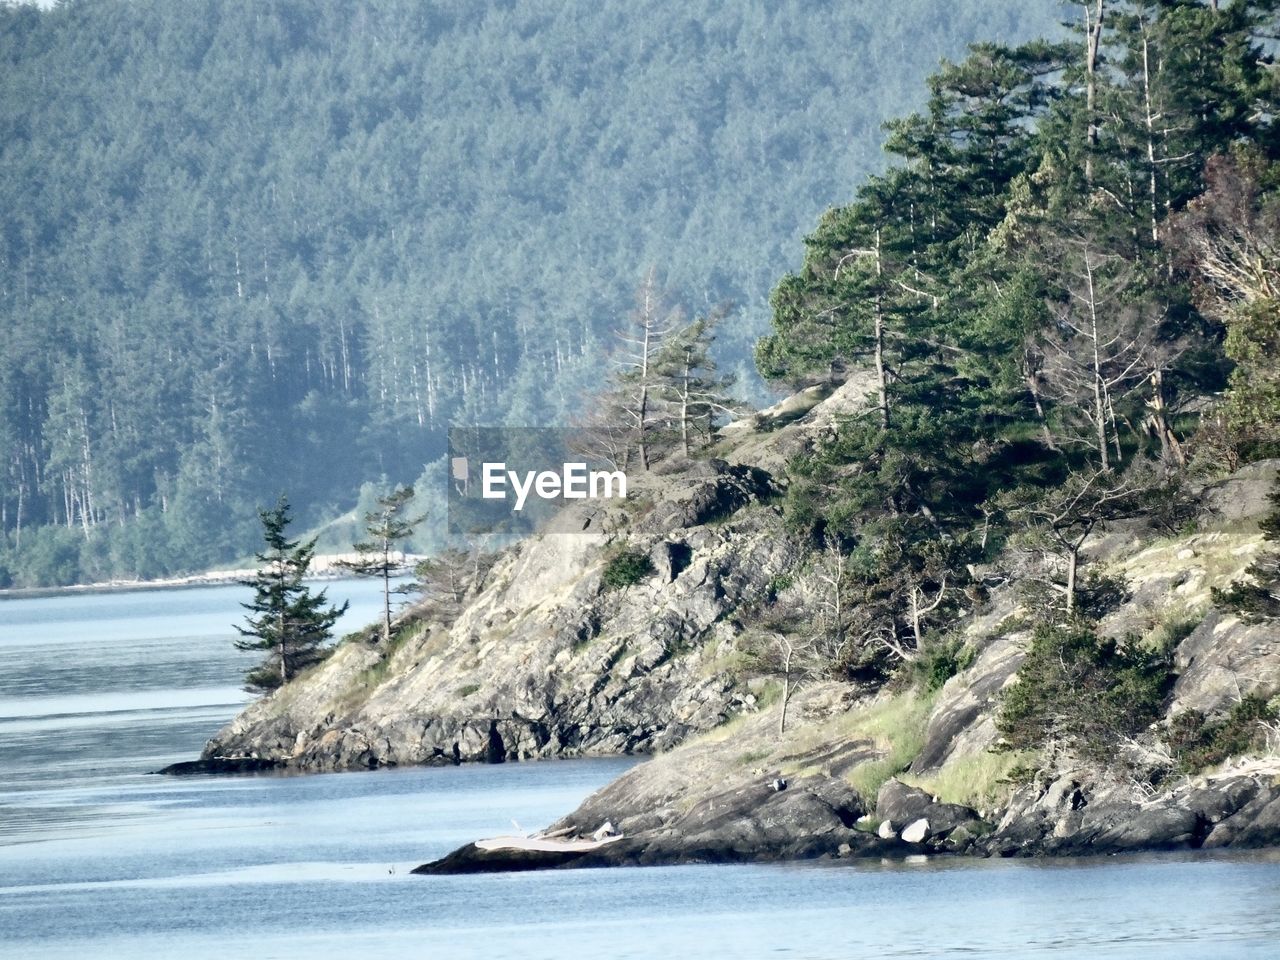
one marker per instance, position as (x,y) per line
(639,377)
(1094,350)
(1058,522)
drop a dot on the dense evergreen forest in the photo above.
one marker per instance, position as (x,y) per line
(261,246)
(1066,300)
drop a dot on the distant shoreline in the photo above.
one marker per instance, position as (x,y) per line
(324,567)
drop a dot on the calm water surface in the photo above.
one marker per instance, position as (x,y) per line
(100,859)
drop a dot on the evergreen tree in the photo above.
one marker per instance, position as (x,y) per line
(1230,240)
(382,554)
(285,618)
(696,394)
(352,242)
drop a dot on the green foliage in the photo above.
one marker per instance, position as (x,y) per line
(1198,743)
(626,568)
(778,583)
(1173,628)
(284,618)
(896,725)
(1013,295)
(1082,693)
(941,661)
(249,246)
(1227,239)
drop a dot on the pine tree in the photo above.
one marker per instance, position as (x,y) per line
(696,394)
(637,398)
(379,556)
(285,617)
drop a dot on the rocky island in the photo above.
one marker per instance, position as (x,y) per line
(999,576)
(543,659)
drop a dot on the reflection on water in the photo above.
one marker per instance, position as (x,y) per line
(100,859)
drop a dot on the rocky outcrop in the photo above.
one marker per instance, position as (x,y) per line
(1076,814)
(717,797)
(719,800)
(545,660)
(922,820)
(1222,660)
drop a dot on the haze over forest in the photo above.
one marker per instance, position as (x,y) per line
(257,247)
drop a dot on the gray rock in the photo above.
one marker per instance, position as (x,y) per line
(1241,496)
(901,803)
(1157,828)
(1222,660)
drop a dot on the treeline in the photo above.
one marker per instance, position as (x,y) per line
(1064,298)
(251,247)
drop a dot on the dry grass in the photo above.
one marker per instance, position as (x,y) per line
(980,781)
(896,726)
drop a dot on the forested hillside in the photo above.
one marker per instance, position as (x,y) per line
(1068,298)
(1016,539)
(251,247)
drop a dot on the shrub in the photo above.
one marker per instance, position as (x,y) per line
(1197,744)
(942,661)
(1084,692)
(626,569)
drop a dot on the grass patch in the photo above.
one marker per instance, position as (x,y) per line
(735,664)
(982,781)
(896,726)
(723,732)
(374,676)
(1174,626)
(753,757)
(626,569)
(770,693)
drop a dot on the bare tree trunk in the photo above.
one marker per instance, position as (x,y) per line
(284,665)
(788,650)
(1115,425)
(17,533)
(684,405)
(1093,40)
(386,592)
(1073,564)
(1099,400)
(882,384)
(643,405)
(644,408)
(1033,388)
(1170,448)
(918,612)
(1151,136)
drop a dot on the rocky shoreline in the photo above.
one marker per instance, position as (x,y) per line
(543,658)
(324,567)
(819,820)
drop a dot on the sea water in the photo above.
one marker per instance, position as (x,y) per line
(101,858)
